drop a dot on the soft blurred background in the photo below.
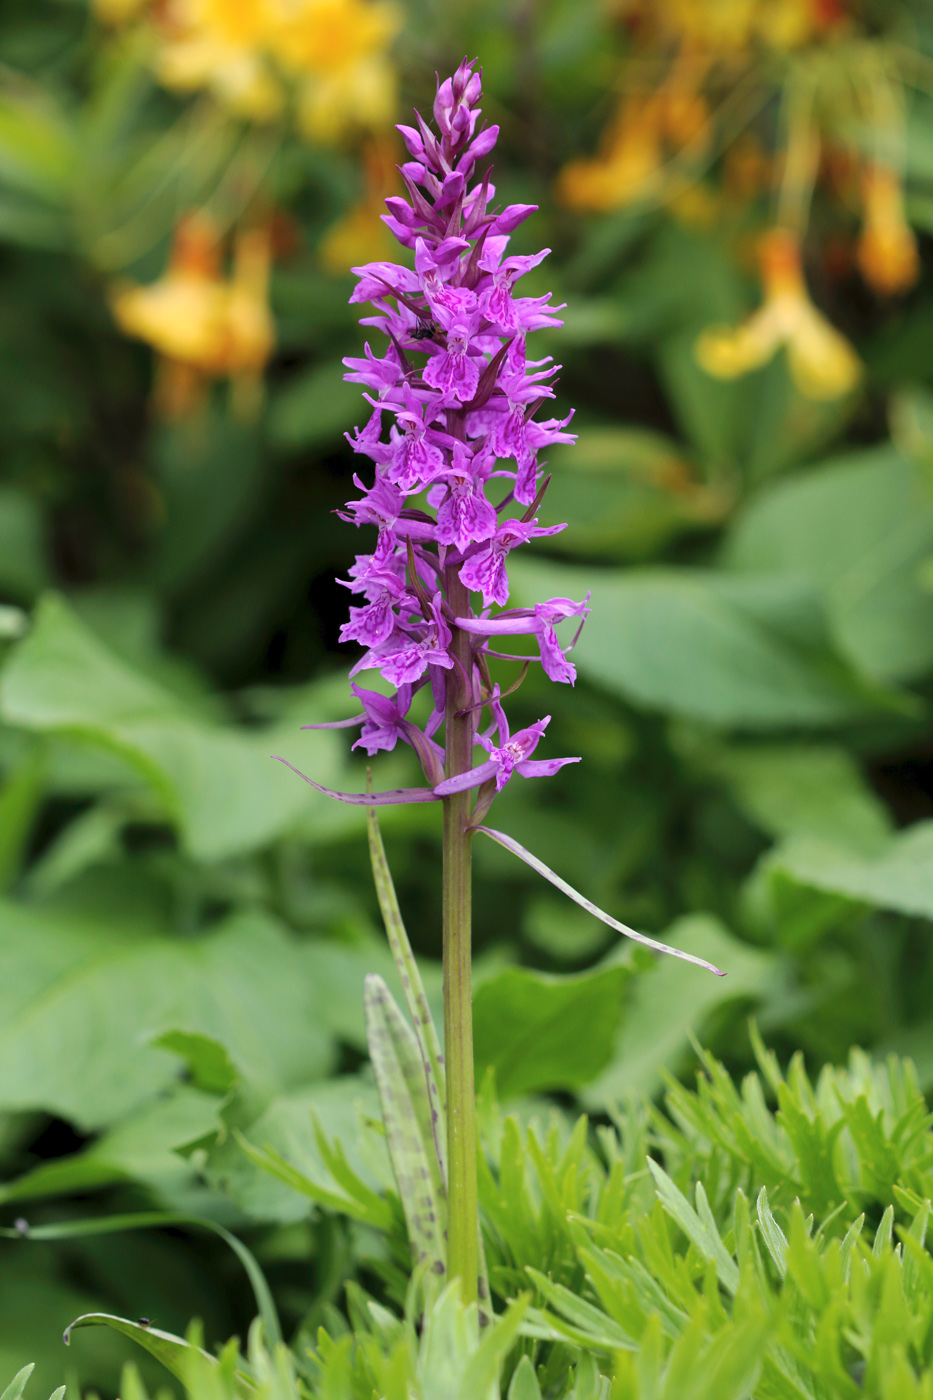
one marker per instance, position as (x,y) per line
(739,199)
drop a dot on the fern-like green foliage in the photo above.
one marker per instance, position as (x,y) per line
(764,1239)
(757,1241)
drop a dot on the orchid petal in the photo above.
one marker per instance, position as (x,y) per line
(542,767)
(366,799)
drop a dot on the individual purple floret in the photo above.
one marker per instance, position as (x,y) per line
(454,442)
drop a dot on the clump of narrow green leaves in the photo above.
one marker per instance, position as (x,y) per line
(764,1239)
(755,1241)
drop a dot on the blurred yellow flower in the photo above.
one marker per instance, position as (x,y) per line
(252,55)
(221,45)
(337,49)
(361,236)
(887,249)
(822,363)
(203,325)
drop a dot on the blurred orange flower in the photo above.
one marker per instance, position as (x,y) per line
(645,132)
(887,249)
(202,324)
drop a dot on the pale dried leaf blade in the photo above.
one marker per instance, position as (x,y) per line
(512,845)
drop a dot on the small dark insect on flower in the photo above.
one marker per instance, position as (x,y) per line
(431,331)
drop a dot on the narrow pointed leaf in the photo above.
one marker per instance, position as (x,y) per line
(174,1352)
(406,1111)
(482,1373)
(771,1232)
(512,845)
(159,1219)
(581,1322)
(15,1389)
(372,1212)
(698,1226)
(415,997)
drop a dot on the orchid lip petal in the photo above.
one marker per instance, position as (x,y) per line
(366,799)
(512,845)
(542,767)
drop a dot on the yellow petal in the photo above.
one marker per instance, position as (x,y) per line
(726,352)
(355,95)
(180,316)
(822,363)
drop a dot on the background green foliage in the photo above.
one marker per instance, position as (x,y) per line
(185,928)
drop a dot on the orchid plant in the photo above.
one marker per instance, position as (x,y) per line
(455,486)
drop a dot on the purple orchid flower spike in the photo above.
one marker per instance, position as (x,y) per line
(455,407)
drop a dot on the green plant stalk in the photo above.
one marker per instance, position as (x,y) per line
(462,1208)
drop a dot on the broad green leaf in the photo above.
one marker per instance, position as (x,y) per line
(671,999)
(21,794)
(63,677)
(174,1352)
(859,530)
(220,785)
(746,653)
(316,408)
(563,932)
(546,1032)
(210,473)
(140,1148)
(790,789)
(81,1001)
(898,877)
(38,1303)
(209,1063)
(37,140)
(92,1228)
(625,492)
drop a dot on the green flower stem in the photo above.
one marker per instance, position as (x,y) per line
(462,1208)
